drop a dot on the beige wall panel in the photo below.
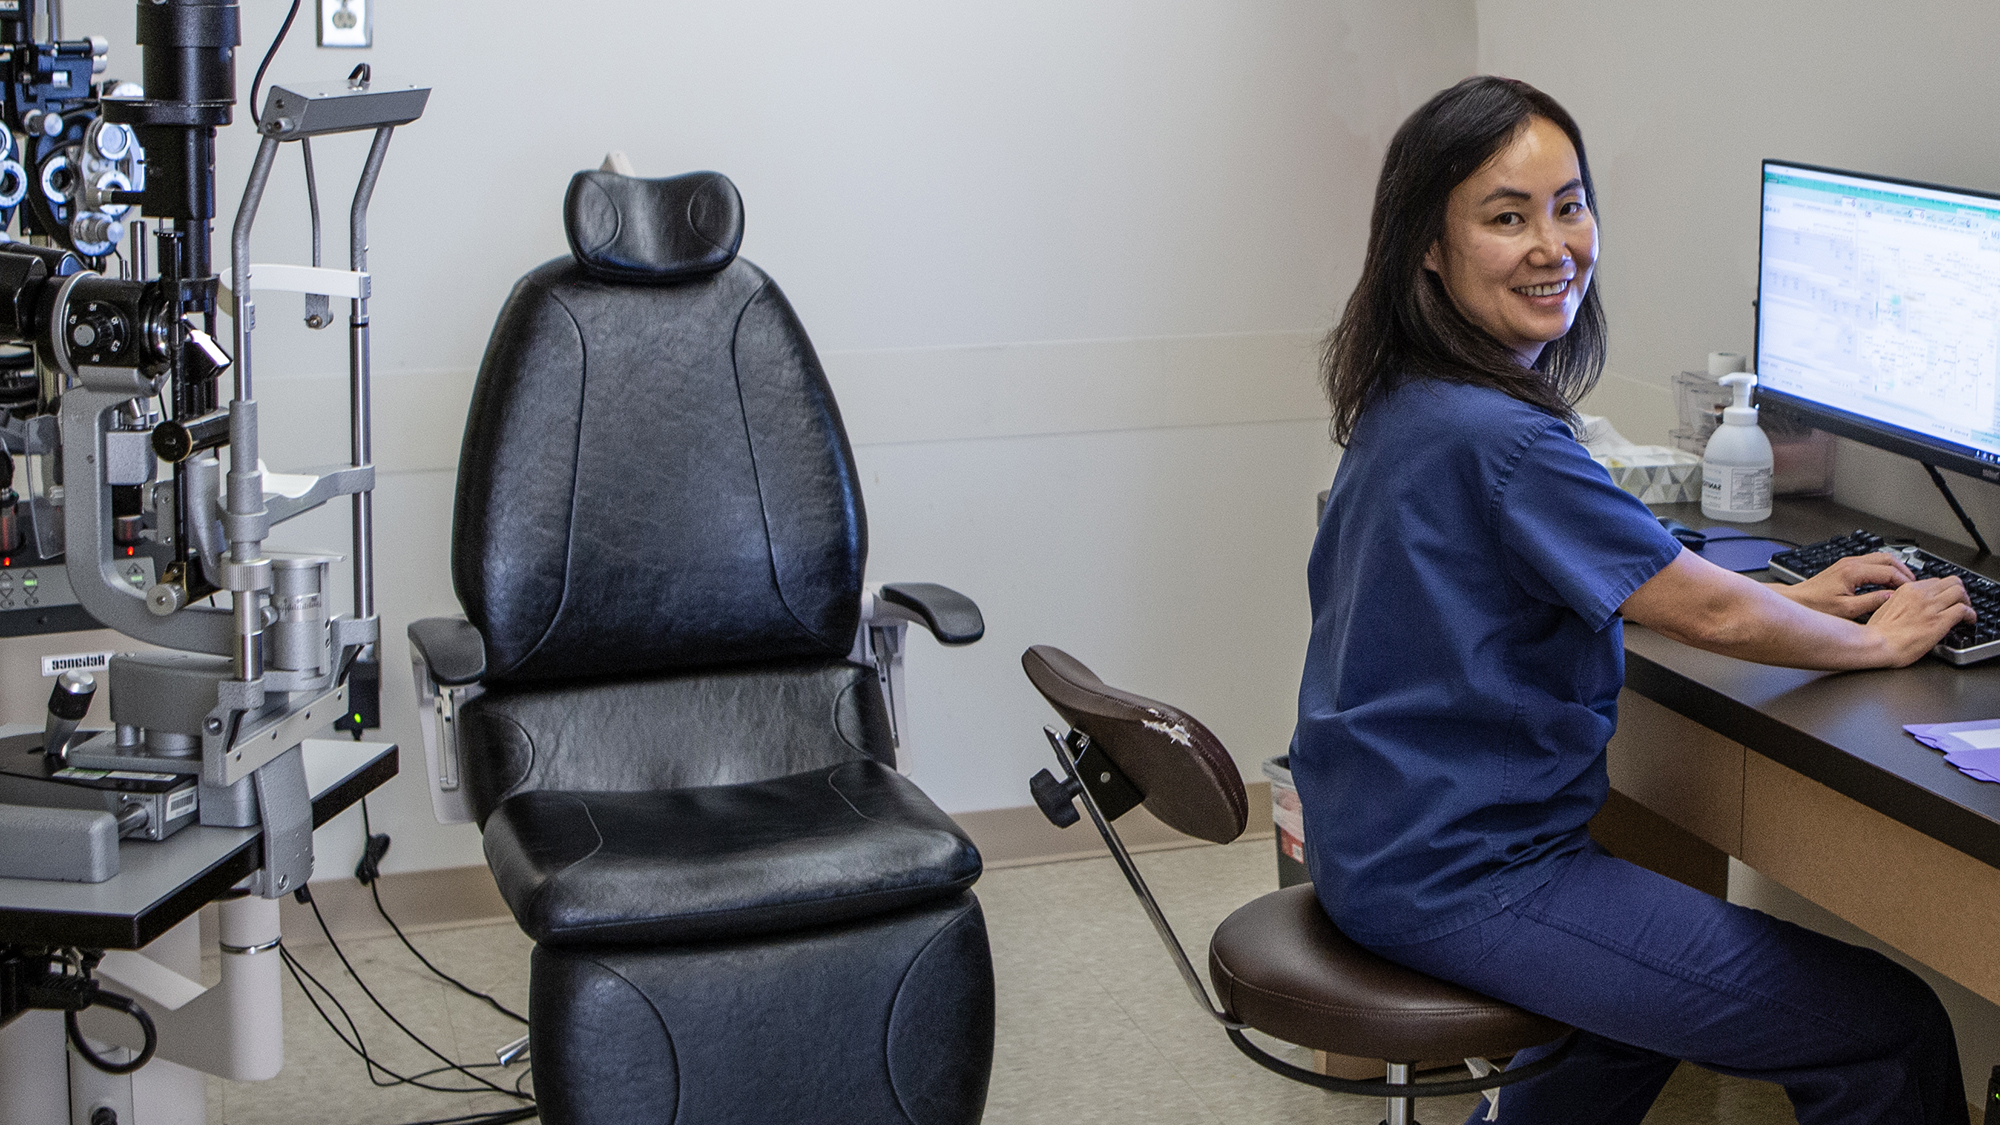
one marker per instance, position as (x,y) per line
(1679,769)
(1931,901)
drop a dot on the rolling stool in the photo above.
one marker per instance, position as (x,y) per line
(1279,965)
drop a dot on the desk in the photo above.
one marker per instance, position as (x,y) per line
(1808,777)
(159,885)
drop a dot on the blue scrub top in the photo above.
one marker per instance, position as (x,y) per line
(1462,678)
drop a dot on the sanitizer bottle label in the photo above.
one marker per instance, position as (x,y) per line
(1730,488)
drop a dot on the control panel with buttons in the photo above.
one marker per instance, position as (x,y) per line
(35,595)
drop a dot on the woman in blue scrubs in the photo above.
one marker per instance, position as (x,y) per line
(1468,587)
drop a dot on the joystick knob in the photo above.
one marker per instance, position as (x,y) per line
(68,704)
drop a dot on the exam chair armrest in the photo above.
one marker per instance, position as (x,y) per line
(887,612)
(951,617)
(452,648)
(447,658)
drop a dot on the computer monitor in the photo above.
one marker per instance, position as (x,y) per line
(1878,312)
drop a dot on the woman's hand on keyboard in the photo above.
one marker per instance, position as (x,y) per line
(1918,615)
(1853,587)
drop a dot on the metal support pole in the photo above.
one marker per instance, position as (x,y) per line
(245,507)
(1401,1111)
(360,404)
(34,1076)
(1067,754)
(239,265)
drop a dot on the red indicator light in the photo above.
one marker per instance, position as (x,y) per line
(129,551)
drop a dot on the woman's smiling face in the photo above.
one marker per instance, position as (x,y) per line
(1520,241)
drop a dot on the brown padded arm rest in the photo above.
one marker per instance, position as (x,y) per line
(1188,778)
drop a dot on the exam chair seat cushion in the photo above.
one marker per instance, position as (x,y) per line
(1281,966)
(725,861)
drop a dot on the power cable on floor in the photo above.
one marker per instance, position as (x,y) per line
(307,982)
(368,871)
(305,894)
(301,975)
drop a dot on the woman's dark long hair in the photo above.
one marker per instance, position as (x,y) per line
(1400,323)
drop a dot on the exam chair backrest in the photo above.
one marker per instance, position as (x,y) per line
(659,536)
(1187,778)
(649,358)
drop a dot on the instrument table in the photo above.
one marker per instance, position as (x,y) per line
(161,884)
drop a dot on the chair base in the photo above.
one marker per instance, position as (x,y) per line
(1399,1086)
(888,1019)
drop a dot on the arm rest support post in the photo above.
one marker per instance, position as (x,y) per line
(447,657)
(887,612)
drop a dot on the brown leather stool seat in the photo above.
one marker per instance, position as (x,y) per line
(1281,966)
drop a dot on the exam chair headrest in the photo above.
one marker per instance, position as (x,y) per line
(627,229)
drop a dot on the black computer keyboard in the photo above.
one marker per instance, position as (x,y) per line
(1967,644)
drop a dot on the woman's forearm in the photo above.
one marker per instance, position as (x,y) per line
(1700,604)
(1750,621)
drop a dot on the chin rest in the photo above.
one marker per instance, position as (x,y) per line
(811,849)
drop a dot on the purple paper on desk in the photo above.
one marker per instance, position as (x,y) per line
(1974,747)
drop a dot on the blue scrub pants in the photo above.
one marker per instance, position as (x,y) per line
(1652,972)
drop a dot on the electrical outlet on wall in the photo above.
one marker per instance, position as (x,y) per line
(346,23)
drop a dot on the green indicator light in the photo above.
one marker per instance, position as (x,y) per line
(30,583)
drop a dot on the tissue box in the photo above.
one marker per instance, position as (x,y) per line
(1655,474)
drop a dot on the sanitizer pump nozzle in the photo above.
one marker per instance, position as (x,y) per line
(1736,467)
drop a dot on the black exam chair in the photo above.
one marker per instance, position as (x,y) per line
(742,912)
(1278,964)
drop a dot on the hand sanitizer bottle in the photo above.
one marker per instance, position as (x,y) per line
(1736,468)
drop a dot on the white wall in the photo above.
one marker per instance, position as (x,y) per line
(1065,263)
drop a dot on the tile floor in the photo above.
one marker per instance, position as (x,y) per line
(1095,1027)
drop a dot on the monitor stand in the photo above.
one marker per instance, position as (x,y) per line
(1937,478)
